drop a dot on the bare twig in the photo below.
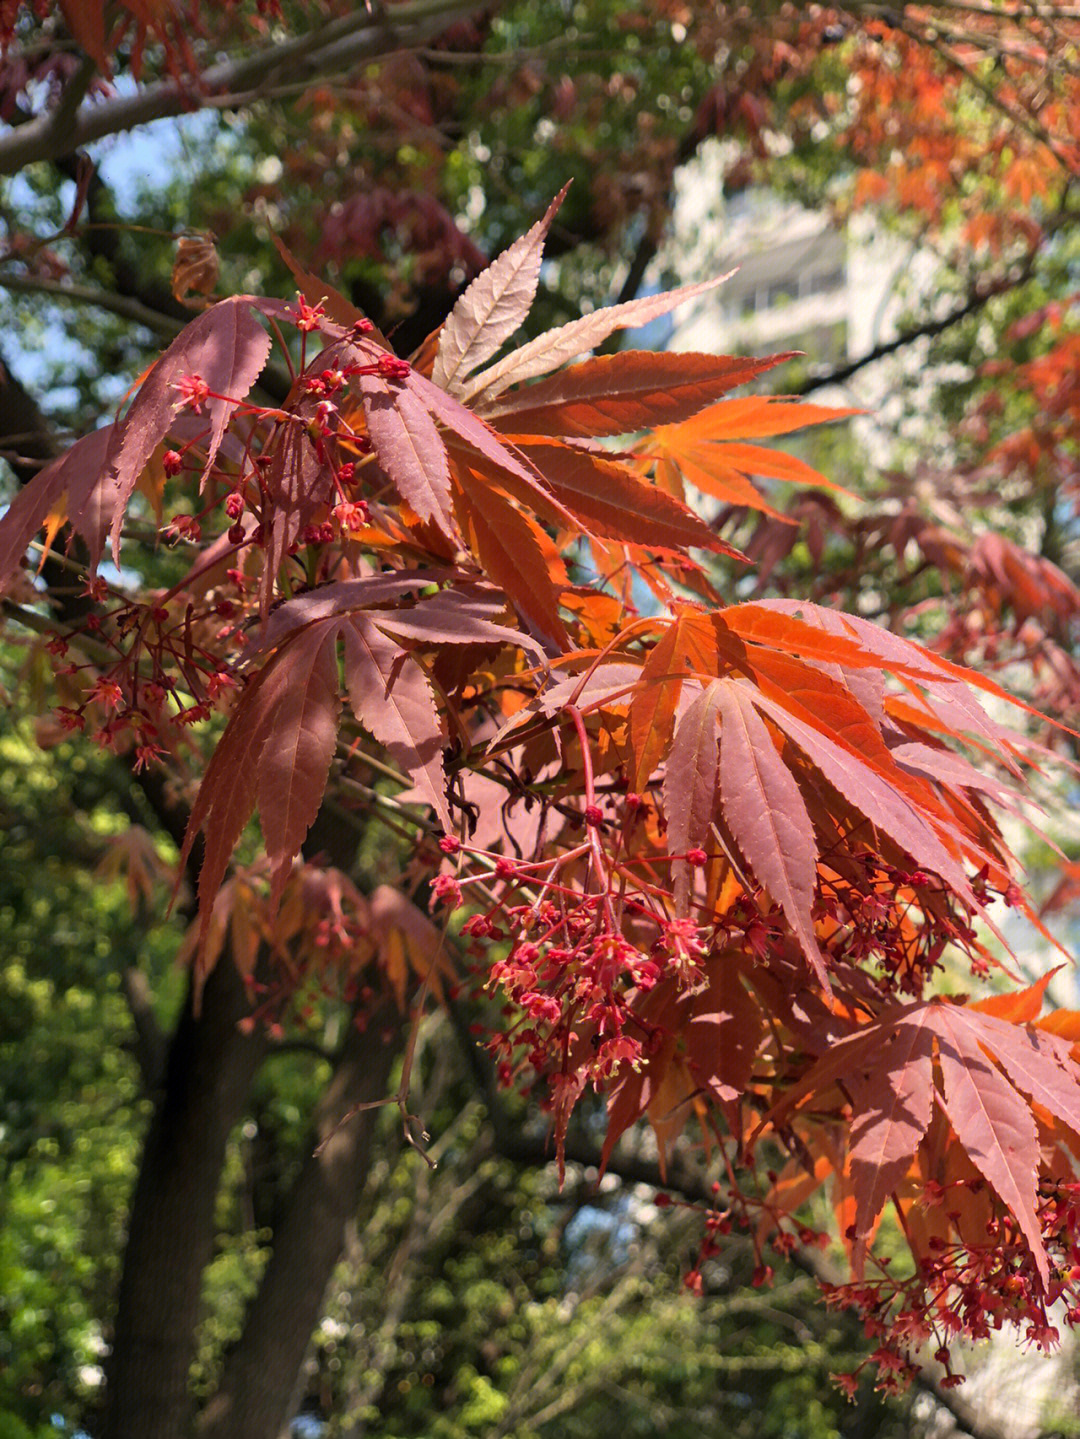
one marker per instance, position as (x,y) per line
(979,298)
(123,305)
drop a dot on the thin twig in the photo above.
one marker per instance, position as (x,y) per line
(976,301)
(122,305)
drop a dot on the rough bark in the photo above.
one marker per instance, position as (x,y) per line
(253,1399)
(171,1236)
(25,437)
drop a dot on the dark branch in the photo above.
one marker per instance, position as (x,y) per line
(127,307)
(361,35)
(979,298)
(171,1229)
(681,1178)
(151,1045)
(256,1388)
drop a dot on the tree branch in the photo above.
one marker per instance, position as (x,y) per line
(361,35)
(122,305)
(151,1046)
(680,1178)
(979,298)
(256,1386)
(171,1235)
(146,302)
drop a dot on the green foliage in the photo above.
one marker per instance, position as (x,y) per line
(518,1311)
(73,1107)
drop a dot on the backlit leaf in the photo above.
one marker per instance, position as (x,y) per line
(399,925)
(766,813)
(517,555)
(870,793)
(612,501)
(884,1137)
(614,394)
(227,348)
(754,416)
(995,1127)
(652,713)
(409,448)
(63,487)
(690,784)
(391,697)
(547,352)
(493,306)
(294,764)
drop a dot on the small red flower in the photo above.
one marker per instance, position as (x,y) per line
(447,890)
(193,391)
(184,527)
(351,515)
(391,368)
(95,588)
(306,317)
(146,754)
(219,681)
(108,693)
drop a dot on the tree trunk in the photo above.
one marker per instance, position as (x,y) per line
(257,1387)
(171,1233)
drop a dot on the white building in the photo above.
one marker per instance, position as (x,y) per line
(801,283)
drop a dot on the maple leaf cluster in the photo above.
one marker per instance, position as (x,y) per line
(712,856)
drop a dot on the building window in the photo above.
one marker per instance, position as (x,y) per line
(821,282)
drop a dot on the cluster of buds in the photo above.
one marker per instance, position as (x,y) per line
(898,923)
(330,381)
(577,949)
(966,1288)
(156,668)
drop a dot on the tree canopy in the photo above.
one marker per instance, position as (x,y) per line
(417,561)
